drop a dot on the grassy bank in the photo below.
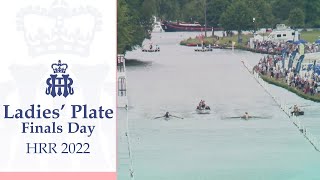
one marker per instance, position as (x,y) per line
(310,36)
(222,41)
(315,98)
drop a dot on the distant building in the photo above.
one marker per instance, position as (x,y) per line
(156,26)
(282,33)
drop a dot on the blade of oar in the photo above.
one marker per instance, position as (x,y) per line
(177,117)
(261,117)
(158,117)
(234,117)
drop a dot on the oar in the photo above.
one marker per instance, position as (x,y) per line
(301,106)
(177,117)
(233,117)
(261,117)
(158,117)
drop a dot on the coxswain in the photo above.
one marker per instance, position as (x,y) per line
(203,104)
(200,104)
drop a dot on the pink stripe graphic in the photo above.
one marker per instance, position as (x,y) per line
(58,176)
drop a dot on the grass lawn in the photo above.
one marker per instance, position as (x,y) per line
(220,41)
(310,36)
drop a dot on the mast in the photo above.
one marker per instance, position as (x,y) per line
(205,18)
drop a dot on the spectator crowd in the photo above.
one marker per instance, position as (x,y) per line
(270,47)
(306,80)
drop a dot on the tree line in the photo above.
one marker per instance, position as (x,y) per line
(296,13)
(135,16)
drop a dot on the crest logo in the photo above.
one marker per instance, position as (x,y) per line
(59,83)
(59,28)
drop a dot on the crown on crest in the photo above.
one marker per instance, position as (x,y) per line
(59,29)
(59,68)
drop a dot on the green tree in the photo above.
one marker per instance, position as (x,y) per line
(168,9)
(193,11)
(263,13)
(124,35)
(215,8)
(312,11)
(296,18)
(134,23)
(282,8)
(238,16)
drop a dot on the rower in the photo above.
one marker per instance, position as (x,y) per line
(296,110)
(167,115)
(246,115)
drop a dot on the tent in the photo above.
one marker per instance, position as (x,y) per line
(300,41)
(303,41)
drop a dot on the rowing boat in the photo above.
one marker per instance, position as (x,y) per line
(300,113)
(203,50)
(249,117)
(150,50)
(203,111)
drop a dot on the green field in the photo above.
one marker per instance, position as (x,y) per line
(310,36)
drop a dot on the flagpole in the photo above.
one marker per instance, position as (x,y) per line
(205,18)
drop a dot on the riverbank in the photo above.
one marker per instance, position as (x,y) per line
(226,42)
(281,83)
(220,41)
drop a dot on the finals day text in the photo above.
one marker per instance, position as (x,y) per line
(36,112)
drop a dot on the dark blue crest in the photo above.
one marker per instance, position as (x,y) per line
(59,83)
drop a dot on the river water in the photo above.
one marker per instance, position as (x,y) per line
(209,147)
